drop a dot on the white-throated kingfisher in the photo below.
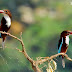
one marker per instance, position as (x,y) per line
(5,24)
(63,44)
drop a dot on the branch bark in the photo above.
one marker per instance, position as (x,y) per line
(35,64)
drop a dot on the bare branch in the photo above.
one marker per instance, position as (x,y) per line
(23,48)
(18,50)
(54,56)
(40,60)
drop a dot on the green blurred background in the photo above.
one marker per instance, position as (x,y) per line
(41,22)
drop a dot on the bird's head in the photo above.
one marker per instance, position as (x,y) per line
(6,13)
(65,33)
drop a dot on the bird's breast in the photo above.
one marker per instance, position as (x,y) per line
(8,20)
(67,40)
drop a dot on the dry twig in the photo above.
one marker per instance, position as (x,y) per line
(33,62)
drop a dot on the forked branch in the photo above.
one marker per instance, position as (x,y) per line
(35,64)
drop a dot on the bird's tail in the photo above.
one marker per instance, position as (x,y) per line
(3,43)
(63,62)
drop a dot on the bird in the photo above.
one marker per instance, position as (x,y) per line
(5,24)
(63,44)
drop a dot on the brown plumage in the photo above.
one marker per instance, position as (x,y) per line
(5,23)
(63,44)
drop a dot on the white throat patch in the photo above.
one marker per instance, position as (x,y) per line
(67,40)
(8,20)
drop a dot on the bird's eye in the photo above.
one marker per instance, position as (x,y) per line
(6,11)
(68,32)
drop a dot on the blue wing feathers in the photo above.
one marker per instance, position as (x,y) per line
(0,35)
(59,50)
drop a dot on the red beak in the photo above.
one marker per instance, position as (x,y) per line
(1,11)
(70,32)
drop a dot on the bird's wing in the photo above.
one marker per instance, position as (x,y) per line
(0,30)
(60,44)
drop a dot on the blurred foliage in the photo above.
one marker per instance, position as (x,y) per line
(41,22)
